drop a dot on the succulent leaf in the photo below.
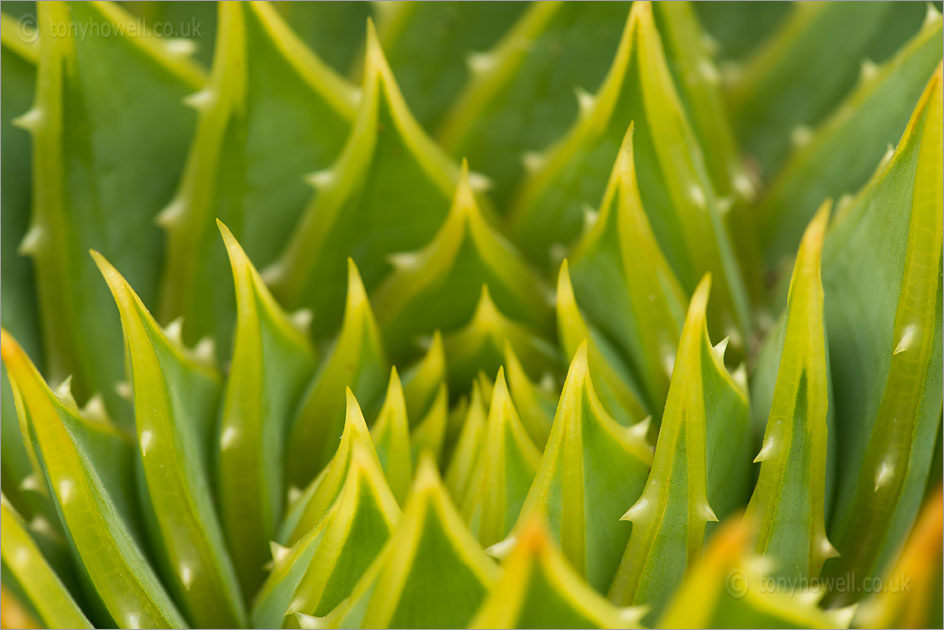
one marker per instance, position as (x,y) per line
(391,435)
(175,401)
(356,361)
(519,96)
(480,345)
(788,503)
(536,402)
(617,386)
(504,468)
(79,132)
(270,113)
(731,588)
(431,573)
(468,446)
(271,364)
(421,381)
(323,566)
(907,598)
(456,30)
(591,468)
(24,562)
(693,467)
(334,30)
(844,149)
(435,287)
(19,51)
(676,189)
(429,434)
(539,589)
(805,67)
(887,372)
(387,157)
(624,283)
(87,467)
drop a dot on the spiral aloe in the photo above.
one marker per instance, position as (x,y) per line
(471,314)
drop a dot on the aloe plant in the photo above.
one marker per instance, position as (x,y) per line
(471,314)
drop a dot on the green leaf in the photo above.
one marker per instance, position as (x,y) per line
(429,434)
(108,133)
(271,112)
(190,26)
(625,285)
(322,568)
(843,150)
(788,502)
(435,287)
(698,82)
(391,435)
(358,361)
(334,30)
(519,96)
(535,402)
(87,465)
(591,469)
(734,29)
(504,468)
(480,345)
(18,56)
(465,455)
(421,382)
(388,192)
(539,589)
(729,588)
(701,458)
(885,345)
(455,30)
(24,561)
(176,396)
(308,509)
(675,186)
(805,67)
(272,362)
(915,566)
(431,573)
(617,387)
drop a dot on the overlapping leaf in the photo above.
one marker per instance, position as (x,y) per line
(519,96)
(431,573)
(23,561)
(388,192)
(788,503)
(536,402)
(504,468)
(885,344)
(339,543)
(106,110)
(456,30)
(842,151)
(436,287)
(357,360)
(626,287)
(480,345)
(675,186)
(539,589)
(88,468)
(391,435)
(591,469)
(175,404)
(271,113)
(271,364)
(730,588)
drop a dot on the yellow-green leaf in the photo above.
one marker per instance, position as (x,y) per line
(176,397)
(272,362)
(391,435)
(357,360)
